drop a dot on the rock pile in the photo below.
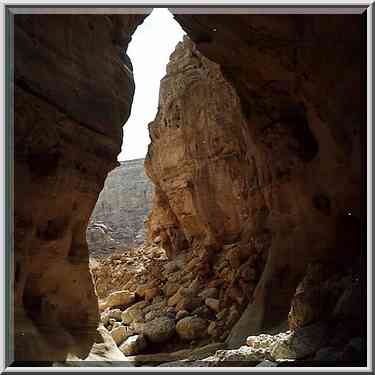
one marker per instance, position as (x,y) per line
(164,305)
(147,300)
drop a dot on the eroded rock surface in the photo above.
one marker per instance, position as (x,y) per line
(73,89)
(118,219)
(276,163)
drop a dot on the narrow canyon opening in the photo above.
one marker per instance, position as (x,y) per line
(236,240)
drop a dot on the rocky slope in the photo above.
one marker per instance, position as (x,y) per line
(161,311)
(118,219)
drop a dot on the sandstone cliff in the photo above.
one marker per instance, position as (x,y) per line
(118,219)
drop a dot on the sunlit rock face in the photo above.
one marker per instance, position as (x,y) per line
(293,184)
(197,154)
(73,88)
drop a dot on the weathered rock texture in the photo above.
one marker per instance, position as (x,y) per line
(293,158)
(119,216)
(282,173)
(73,89)
(202,187)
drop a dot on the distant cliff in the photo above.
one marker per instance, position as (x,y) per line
(120,212)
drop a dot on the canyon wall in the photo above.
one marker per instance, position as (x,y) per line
(283,173)
(285,179)
(73,89)
(118,220)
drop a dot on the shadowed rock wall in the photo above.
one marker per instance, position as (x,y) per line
(73,88)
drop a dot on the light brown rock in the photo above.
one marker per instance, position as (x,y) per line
(191,328)
(120,334)
(213,304)
(133,345)
(119,298)
(134,313)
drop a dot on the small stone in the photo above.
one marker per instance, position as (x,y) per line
(133,345)
(209,293)
(215,329)
(120,298)
(203,312)
(119,334)
(176,298)
(182,314)
(213,304)
(222,314)
(188,303)
(261,341)
(115,314)
(151,293)
(170,289)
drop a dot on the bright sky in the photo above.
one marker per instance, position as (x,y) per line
(152,44)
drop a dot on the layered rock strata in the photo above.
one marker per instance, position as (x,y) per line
(118,219)
(303,137)
(73,89)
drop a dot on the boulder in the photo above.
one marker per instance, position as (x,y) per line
(188,303)
(158,330)
(151,293)
(177,297)
(203,312)
(182,314)
(213,304)
(120,298)
(216,329)
(133,345)
(191,328)
(134,313)
(301,343)
(119,334)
